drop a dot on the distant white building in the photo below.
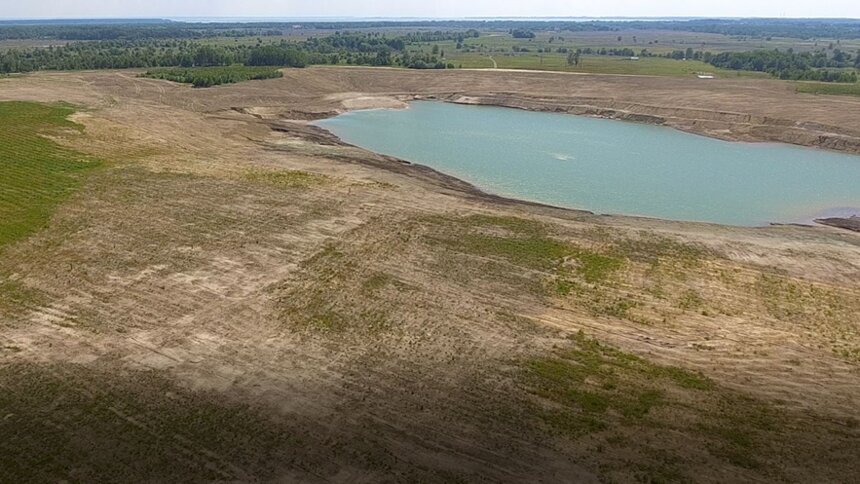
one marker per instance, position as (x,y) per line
(634,58)
(705,76)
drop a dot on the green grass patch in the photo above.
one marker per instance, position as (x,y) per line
(319,314)
(588,387)
(286,178)
(690,300)
(595,267)
(376,282)
(213,76)
(518,241)
(610,305)
(828,88)
(850,354)
(533,252)
(548,264)
(564,287)
(589,379)
(514,224)
(525,243)
(327,305)
(821,309)
(15,297)
(657,249)
(36,174)
(380,280)
(798,301)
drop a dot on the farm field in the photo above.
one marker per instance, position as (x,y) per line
(232,294)
(663,41)
(596,65)
(28,43)
(498,47)
(655,41)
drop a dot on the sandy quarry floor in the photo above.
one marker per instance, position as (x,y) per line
(236,296)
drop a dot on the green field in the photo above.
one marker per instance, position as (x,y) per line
(36,174)
(662,41)
(213,76)
(833,89)
(23,44)
(479,53)
(650,66)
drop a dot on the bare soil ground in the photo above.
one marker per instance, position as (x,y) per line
(235,295)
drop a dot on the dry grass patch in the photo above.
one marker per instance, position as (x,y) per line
(682,418)
(286,178)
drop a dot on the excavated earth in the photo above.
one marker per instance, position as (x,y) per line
(236,295)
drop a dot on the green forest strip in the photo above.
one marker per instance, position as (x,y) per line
(36,174)
(213,76)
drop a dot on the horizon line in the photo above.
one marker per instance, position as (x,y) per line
(431,18)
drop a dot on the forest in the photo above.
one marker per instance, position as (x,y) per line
(807,66)
(837,66)
(213,76)
(357,49)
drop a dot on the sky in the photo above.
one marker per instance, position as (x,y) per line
(426,8)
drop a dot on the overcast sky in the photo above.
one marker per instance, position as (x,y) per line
(427,8)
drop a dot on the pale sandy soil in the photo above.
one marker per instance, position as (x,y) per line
(335,329)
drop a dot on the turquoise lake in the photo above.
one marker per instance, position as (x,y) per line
(609,166)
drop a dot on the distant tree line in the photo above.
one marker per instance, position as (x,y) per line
(136,31)
(625,52)
(128,54)
(371,49)
(441,35)
(276,55)
(807,66)
(760,28)
(422,61)
(161,29)
(838,66)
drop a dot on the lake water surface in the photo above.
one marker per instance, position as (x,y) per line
(609,166)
